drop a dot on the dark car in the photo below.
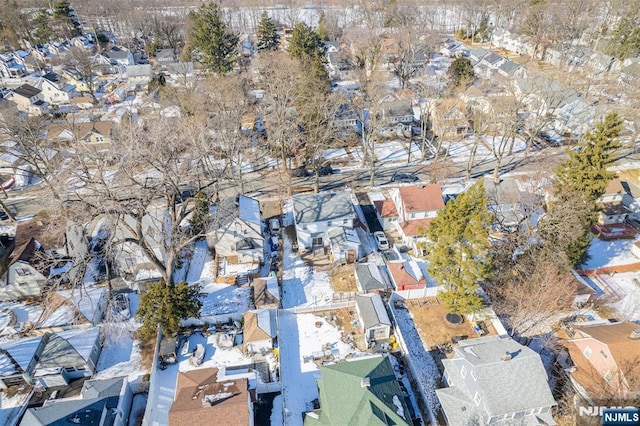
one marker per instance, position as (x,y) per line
(3,215)
(299,172)
(404,177)
(325,170)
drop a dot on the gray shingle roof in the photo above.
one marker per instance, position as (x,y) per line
(322,207)
(372,311)
(369,277)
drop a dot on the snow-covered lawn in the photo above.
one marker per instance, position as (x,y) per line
(392,151)
(299,338)
(609,253)
(12,406)
(223,299)
(214,355)
(629,285)
(459,151)
(338,154)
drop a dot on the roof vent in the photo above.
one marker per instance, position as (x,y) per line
(635,334)
(366,382)
(506,356)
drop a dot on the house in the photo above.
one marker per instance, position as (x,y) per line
(605,359)
(449,119)
(69,308)
(18,360)
(105,402)
(92,134)
(240,240)
(180,71)
(72,77)
(505,202)
(406,275)
(386,212)
(495,380)
(416,205)
(54,89)
(200,398)
(68,355)
(260,330)
(397,118)
(369,278)
(511,69)
(164,56)
(120,56)
(139,74)
(315,214)
(29,99)
(345,245)
(361,391)
(347,122)
(266,292)
(26,273)
(612,208)
(10,67)
(374,320)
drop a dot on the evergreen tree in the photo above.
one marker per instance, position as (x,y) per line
(41,28)
(167,306)
(585,171)
(460,73)
(322,27)
(216,44)
(307,46)
(200,214)
(625,38)
(268,37)
(458,256)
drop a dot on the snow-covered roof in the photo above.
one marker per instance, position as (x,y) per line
(22,350)
(249,209)
(82,341)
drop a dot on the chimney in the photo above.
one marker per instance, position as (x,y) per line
(506,356)
(365,383)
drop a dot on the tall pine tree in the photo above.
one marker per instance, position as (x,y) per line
(585,171)
(458,256)
(209,35)
(307,46)
(167,306)
(267,34)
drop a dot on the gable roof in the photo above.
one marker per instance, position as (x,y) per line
(199,398)
(616,337)
(27,91)
(68,348)
(21,352)
(369,277)
(266,292)
(386,208)
(421,198)
(406,273)
(325,206)
(259,325)
(79,131)
(414,227)
(517,384)
(346,399)
(372,311)
(249,210)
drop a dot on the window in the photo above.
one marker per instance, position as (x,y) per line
(476,398)
(328,223)
(519,415)
(587,352)
(473,374)
(23,272)
(316,241)
(463,372)
(345,221)
(608,376)
(604,355)
(412,215)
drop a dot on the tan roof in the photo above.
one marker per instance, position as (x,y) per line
(421,198)
(261,296)
(195,387)
(414,227)
(404,276)
(49,232)
(251,330)
(81,100)
(79,130)
(614,187)
(616,337)
(386,208)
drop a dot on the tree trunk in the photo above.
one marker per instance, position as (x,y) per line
(472,158)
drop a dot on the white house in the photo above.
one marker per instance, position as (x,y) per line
(316,214)
(375,323)
(54,89)
(241,238)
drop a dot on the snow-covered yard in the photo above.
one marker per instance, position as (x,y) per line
(299,338)
(223,299)
(609,253)
(628,283)
(393,152)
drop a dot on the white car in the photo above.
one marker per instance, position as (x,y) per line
(274,226)
(381,240)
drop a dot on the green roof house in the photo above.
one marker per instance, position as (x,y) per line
(359,392)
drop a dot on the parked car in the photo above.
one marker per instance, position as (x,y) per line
(404,177)
(381,240)
(299,172)
(274,226)
(325,170)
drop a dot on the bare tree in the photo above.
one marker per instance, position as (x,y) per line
(81,62)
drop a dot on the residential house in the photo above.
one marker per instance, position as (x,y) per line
(240,240)
(139,74)
(417,205)
(266,292)
(182,72)
(165,56)
(72,77)
(105,402)
(54,89)
(374,320)
(495,380)
(407,275)
(66,309)
(95,135)
(68,355)
(386,211)
(505,202)
(449,119)
(200,398)
(452,48)
(476,55)
(397,118)
(18,360)
(629,76)
(316,214)
(11,67)
(345,245)
(612,208)
(605,359)
(347,122)
(120,56)
(369,278)
(260,331)
(29,99)
(361,391)
(511,69)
